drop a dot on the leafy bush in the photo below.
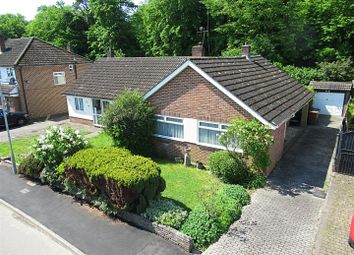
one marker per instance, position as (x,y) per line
(227,168)
(166,212)
(203,226)
(340,70)
(130,122)
(128,181)
(237,192)
(31,167)
(256,181)
(253,138)
(53,148)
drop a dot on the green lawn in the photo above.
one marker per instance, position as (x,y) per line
(186,184)
(102,140)
(20,146)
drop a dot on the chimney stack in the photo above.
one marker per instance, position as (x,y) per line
(109,53)
(2,43)
(198,50)
(69,48)
(246,51)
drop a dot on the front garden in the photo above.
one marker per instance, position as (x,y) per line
(111,172)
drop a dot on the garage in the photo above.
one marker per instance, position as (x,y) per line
(331,98)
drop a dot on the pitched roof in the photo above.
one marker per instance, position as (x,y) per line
(33,51)
(14,48)
(332,85)
(107,77)
(262,87)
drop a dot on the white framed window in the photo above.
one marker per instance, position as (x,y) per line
(79,104)
(59,78)
(210,132)
(169,127)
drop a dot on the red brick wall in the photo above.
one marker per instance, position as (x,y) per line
(276,150)
(42,96)
(81,121)
(189,95)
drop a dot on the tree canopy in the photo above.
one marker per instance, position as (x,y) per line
(12,26)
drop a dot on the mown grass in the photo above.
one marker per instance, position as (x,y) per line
(20,146)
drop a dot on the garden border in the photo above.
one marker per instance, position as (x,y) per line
(170,234)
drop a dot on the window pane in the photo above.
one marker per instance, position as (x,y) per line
(159,117)
(174,120)
(224,127)
(209,136)
(169,130)
(207,124)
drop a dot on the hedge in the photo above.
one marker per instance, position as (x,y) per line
(127,180)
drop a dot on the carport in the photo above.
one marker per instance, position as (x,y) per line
(331,97)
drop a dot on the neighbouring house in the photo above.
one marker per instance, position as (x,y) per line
(331,97)
(194,97)
(34,74)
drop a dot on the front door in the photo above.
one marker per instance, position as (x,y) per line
(99,106)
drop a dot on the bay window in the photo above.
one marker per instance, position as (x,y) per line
(210,132)
(169,127)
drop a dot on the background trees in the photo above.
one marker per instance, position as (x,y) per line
(299,33)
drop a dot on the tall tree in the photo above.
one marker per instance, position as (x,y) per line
(62,26)
(112,29)
(169,27)
(13,26)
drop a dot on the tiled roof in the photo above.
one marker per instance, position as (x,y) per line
(14,48)
(33,51)
(42,53)
(332,85)
(264,88)
(106,78)
(260,85)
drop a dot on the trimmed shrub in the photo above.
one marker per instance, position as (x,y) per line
(227,168)
(256,181)
(128,181)
(166,212)
(31,167)
(203,226)
(130,122)
(237,192)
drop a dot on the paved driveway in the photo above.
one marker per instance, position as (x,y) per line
(283,217)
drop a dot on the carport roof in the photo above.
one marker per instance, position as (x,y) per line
(332,85)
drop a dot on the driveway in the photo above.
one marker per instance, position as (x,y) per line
(83,227)
(283,217)
(38,128)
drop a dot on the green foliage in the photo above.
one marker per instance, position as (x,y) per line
(340,70)
(252,137)
(204,227)
(303,75)
(166,212)
(130,122)
(60,25)
(237,192)
(350,114)
(226,167)
(56,145)
(12,26)
(255,181)
(165,27)
(31,167)
(126,180)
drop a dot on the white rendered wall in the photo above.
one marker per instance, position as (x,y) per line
(87,113)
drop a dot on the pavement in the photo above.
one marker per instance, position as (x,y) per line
(38,128)
(336,216)
(84,227)
(34,239)
(283,217)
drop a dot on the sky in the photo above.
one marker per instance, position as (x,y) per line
(28,8)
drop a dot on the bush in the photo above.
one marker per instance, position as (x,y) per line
(31,167)
(203,226)
(237,192)
(256,181)
(130,122)
(166,212)
(128,181)
(227,168)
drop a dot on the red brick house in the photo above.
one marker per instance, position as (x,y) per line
(34,74)
(194,97)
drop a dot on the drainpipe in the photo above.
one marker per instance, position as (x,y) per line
(23,89)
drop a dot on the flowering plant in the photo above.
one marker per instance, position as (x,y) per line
(56,145)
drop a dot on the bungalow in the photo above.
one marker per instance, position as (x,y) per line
(194,97)
(34,74)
